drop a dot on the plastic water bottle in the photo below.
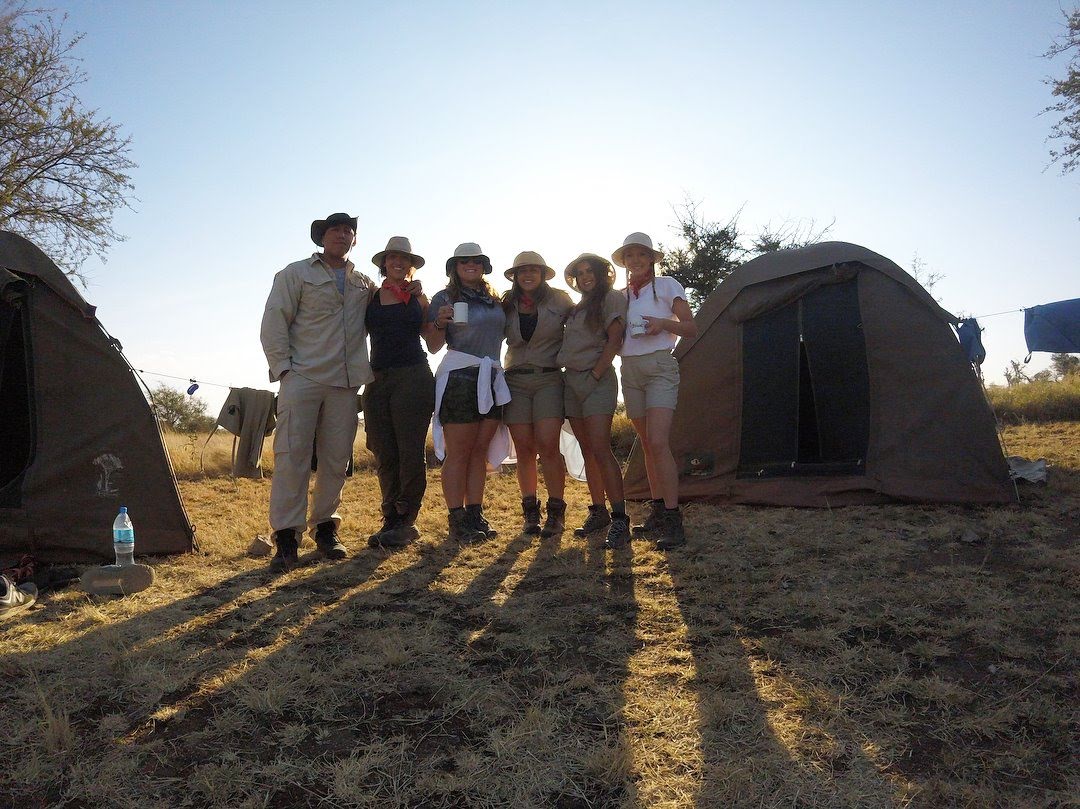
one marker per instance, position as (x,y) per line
(123,534)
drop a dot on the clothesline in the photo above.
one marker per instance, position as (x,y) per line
(192,380)
(995,314)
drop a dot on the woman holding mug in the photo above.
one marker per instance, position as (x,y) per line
(592,338)
(470,390)
(535,314)
(399,402)
(657,316)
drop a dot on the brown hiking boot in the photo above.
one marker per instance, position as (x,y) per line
(286,557)
(597,520)
(555,523)
(670,532)
(461,528)
(646,529)
(530,510)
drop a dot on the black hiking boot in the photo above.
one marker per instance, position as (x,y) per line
(530,509)
(670,532)
(286,558)
(479,521)
(389,523)
(555,523)
(618,535)
(597,520)
(326,540)
(649,526)
(461,528)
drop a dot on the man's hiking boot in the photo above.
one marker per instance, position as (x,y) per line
(530,509)
(618,535)
(649,526)
(461,528)
(555,523)
(286,557)
(479,521)
(670,532)
(16,597)
(397,532)
(326,540)
(597,520)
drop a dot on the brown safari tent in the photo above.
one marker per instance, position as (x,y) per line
(77,437)
(827,375)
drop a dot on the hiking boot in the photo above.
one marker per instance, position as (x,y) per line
(530,509)
(618,535)
(286,557)
(16,598)
(649,526)
(461,528)
(326,540)
(400,534)
(479,521)
(555,523)
(670,532)
(598,519)
(389,523)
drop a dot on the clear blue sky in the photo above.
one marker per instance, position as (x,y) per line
(561,127)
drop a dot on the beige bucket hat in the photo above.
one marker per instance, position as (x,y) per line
(468,250)
(398,244)
(527,258)
(640,239)
(570,273)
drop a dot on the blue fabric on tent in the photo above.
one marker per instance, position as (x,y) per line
(1053,327)
(971,340)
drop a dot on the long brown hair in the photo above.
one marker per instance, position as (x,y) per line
(592,302)
(511,297)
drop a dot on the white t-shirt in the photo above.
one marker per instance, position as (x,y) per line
(667,290)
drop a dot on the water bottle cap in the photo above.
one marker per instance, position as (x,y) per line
(123,509)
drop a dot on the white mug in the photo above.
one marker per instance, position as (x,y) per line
(461,313)
(637,327)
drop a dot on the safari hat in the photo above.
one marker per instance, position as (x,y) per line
(640,239)
(570,273)
(398,244)
(320,226)
(468,250)
(529,258)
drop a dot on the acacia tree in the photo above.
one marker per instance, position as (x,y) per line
(178,411)
(64,170)
(1067,90)
(709,251)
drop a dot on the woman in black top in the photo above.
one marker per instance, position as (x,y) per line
(399,402)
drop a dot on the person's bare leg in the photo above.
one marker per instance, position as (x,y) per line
(642,430)
(525,448)
(594,478)
(459,439)
(599,429)
(658,429)
(546,433)
(477,475)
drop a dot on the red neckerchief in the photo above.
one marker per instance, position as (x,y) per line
(526,301)
(637,287)
(399,291)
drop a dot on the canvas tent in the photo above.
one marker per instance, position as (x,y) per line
(827,375)
(77,437)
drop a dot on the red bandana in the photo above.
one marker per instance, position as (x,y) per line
(526,301)
(637,286)
(399,291)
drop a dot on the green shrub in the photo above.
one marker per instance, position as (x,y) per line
(1038,401)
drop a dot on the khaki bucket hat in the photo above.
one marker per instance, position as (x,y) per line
(570,273)
(398,244)
(640,239)
(468,250)
(529,258)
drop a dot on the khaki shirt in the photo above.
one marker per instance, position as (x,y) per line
(583,345)
(543,349)
(311,328)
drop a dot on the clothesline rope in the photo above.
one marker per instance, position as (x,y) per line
(995,314)
(192,380)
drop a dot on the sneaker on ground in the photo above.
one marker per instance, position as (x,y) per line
(16,598)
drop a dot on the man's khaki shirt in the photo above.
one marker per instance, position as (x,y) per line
(311,328)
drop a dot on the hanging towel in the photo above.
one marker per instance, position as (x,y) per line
(1053,327)
(248,413)
(971,340)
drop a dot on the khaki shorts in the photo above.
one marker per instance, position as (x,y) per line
(534,397)
(586,397)
(650,380)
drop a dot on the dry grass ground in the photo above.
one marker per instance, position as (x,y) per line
(864,657)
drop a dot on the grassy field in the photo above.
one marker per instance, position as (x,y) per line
(863,657)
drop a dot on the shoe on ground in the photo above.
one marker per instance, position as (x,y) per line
(530,515)
(555,523)
(618,535)
(670,532)
(286,558)
(597,520)
(17,597)
(648,528)
(479,521)
(461,528)
(389,523)
(399,536)
(326,540)
(117,580)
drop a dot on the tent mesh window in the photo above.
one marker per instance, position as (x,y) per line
(806,391)
(16,415)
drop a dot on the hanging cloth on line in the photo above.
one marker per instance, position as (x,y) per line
(970,335)
(1053,327)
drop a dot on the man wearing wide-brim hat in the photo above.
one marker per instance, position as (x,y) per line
(314,338)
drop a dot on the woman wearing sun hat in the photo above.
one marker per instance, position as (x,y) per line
(591,339)
(657,316)
(470,389)
(535,314)
(399,402)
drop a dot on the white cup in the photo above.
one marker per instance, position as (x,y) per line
(637,327)
(461,313)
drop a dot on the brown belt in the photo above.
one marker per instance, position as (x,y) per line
(529,370)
